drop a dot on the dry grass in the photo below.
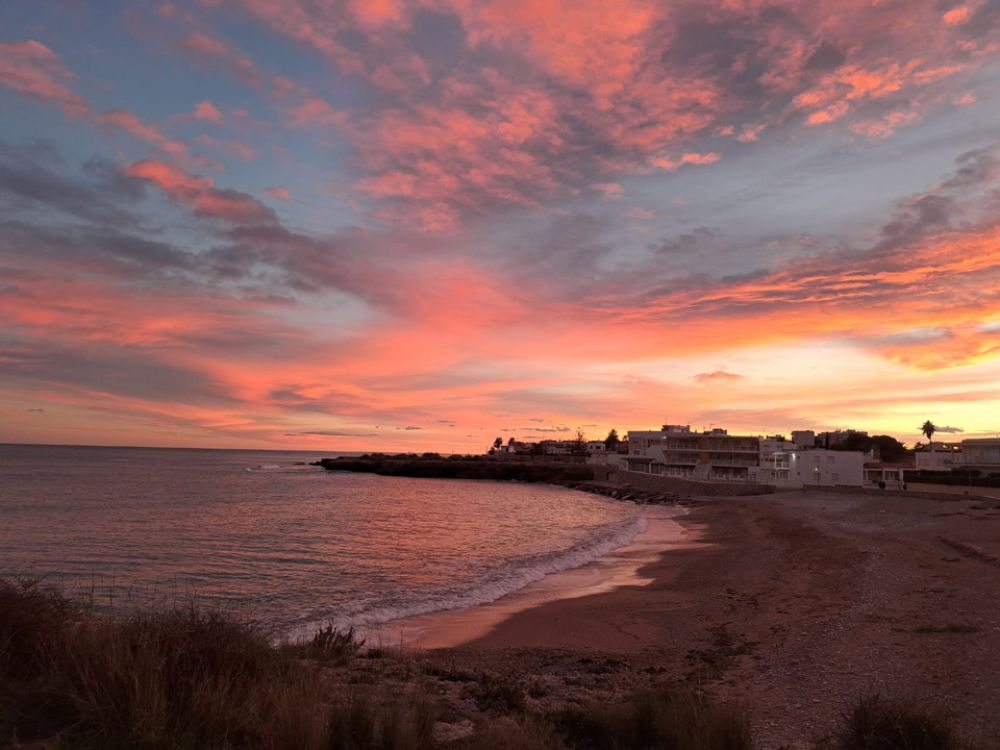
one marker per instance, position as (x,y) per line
(668,719)
(176,680)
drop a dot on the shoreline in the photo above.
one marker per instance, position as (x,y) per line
(622,566)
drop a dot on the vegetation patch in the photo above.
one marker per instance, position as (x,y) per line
(663,718)
(879,724)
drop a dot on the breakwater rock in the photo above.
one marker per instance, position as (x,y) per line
(461,467)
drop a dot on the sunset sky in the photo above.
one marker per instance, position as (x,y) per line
(386,225)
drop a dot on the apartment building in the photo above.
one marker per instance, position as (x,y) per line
(677,451)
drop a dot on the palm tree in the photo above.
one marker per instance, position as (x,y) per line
(928,429)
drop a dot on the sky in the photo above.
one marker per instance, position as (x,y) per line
(388,225)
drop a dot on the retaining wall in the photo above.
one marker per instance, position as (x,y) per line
(675,486)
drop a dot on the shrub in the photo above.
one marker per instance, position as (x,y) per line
(333,644)
(878,724)
(668,719)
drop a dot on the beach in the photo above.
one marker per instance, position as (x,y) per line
(794,605)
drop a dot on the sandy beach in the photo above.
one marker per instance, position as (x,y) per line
(794,604)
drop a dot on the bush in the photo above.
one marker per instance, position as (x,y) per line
(877,724)
(668,719)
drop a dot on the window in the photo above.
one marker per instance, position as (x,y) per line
(835,477)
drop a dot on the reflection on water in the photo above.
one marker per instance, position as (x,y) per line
(295,544)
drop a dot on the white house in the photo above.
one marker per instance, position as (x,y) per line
(814,467)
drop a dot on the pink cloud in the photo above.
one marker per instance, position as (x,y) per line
(208,111)
(691,157)
(32,69)
(242,150)
(137,128)
(204,47)
(315,111)
(200,194)
(279,193)
(610,85)
(884,126)
(610,189)
(957,16)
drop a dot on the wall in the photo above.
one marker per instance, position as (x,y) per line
(656,483)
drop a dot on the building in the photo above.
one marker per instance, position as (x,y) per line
(676,451)
(804,439)
(835,437)
(885,476)
(938,457)
(812,467)
(982,454)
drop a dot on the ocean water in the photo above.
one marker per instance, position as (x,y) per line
(292,544)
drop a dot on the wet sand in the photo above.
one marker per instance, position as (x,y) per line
(623,567)
(795,604)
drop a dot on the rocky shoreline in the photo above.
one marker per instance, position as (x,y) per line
(577,476)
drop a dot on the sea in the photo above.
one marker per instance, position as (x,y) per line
(266,534)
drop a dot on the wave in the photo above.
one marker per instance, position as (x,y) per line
(513,575)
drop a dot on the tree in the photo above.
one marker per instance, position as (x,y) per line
(496,445)
(928,429)
(579,443)
(611,441)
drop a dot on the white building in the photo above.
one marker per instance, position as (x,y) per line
(982,454)
(813,467)
(938,457)
(677,451)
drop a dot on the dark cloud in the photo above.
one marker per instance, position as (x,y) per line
(97,194)
(947,429)
(687,243)
(109,369)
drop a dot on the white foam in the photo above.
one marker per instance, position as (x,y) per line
(511,576)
